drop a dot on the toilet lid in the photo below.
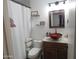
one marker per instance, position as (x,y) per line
(34,52)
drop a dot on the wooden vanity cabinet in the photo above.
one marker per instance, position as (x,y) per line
(53,50)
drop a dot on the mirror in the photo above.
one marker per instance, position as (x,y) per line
(56,19)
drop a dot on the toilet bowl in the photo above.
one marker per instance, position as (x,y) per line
(35,51)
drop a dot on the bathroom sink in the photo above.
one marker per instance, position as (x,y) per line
(55,36)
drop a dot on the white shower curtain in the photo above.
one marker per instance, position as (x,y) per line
(21,16)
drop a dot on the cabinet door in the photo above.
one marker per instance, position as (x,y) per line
(62,53)
(50,53)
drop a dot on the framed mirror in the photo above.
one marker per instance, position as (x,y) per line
(56,19)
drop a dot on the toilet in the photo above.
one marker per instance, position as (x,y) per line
(35,51)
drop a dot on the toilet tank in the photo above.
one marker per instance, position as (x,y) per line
(37,43)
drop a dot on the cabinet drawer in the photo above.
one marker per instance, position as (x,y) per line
(54,44)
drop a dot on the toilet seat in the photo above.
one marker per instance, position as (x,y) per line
(34,52)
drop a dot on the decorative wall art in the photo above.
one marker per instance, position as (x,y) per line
(12,24)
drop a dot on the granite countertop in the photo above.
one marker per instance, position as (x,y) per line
(61,40)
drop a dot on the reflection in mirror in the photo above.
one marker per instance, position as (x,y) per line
(56,19)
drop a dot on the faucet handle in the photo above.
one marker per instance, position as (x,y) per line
(48,33)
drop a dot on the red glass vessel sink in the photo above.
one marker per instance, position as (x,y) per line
(55,36)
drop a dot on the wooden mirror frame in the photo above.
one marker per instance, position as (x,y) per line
(50,26)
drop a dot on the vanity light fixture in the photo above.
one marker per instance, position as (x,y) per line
(49,4)
(56,3)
